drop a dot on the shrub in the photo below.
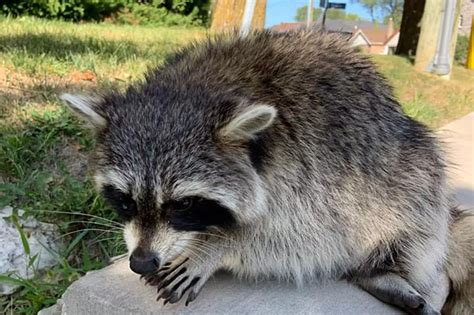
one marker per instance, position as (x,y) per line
(67,9)
(159,16)
(462,46)
(156,12)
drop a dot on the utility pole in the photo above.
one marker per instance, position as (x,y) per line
(309,17)
(442,61)
(323,23)
(248,16)
(438,34)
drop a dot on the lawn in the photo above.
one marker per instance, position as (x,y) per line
(426,97)
(44,152)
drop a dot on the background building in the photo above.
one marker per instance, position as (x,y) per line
(465,19)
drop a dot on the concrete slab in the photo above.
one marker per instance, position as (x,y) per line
(458,138)
(116,290)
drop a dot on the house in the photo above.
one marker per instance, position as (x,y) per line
(465,18)
(369,37)
(379,40)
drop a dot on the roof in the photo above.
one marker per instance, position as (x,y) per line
(362,35)
(285,27)
(344,26)
(373,33)
(376,35)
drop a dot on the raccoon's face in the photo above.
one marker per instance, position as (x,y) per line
(175,173)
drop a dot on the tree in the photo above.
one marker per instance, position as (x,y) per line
(301,13)
(227,14)
(410,27)
(332,14)
(385,8)
(335,14)
(393,9)
(371,6)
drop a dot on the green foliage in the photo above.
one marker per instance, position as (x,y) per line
(156,12)
(302,13)
(41,185)
(159,16)
(462,47)
(67,9)
(385,9)
(332,14)
(44,150)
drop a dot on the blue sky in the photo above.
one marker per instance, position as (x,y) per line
(284,10)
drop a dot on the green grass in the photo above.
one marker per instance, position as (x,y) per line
(45,153)
(426,97)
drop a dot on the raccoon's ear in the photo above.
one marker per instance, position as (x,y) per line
(86,108)
(249,123)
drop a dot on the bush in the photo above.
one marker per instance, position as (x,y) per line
(156,12)
(159,16)
(462,46)
(66,9)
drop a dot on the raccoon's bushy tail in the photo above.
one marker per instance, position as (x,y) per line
(460,264)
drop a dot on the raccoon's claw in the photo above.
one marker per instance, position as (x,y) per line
(174,282)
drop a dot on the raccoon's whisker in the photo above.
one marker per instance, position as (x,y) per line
(96,223)
(204,242)
(201,260)
(122,243)
(118,257)
(105,239)
(204,246)
(93,229)
(182,248)
(193,250)
(200,249)
(215,235)
(83,214)
(100,235)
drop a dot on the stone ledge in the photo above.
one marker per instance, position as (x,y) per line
(115,290)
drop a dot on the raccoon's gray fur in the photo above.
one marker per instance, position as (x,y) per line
(274,155)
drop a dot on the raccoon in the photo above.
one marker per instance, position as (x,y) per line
(270,155)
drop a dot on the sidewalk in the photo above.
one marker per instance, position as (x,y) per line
(116,290)
(458,138)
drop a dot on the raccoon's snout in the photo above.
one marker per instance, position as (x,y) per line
(144,262)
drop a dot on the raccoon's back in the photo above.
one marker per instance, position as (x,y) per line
(275,67)
(308,76)
(330,99)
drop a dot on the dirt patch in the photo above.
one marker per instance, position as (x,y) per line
(76,161)
(78,76)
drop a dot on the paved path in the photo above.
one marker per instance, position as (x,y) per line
(458,138)
(115,290)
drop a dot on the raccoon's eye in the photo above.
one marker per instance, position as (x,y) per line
(197,214)
(183,204)
(123,203)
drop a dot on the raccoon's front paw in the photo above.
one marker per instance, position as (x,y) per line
(175,279)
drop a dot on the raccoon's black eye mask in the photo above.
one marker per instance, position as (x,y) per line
(197,214)
(123,203)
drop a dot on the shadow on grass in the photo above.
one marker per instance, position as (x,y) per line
(40,94)
(62,46)
(410,59)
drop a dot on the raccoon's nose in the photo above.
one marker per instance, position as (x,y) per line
(143,262)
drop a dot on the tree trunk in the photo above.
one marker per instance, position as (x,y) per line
(410,27)
(227,15)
